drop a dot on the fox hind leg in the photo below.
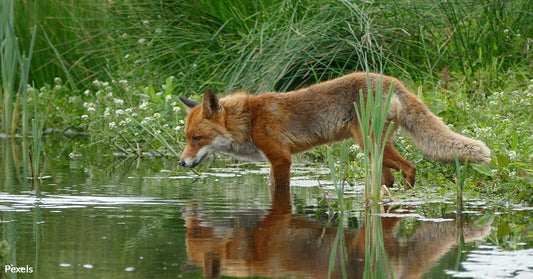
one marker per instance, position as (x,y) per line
(387,178)
(391,159)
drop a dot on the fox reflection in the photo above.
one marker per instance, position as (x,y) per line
(278,243)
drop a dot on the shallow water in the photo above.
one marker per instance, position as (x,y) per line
(127,218)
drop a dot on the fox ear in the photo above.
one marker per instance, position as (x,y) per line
(188,103)
(210,104)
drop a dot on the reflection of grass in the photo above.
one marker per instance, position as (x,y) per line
(376,262)
(338,249)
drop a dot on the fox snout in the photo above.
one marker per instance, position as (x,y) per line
(182,163)
(189,163)
(192,162)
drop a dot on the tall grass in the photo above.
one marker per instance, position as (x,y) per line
(372,116)
(9,56)
(227,44)
(77,29)
(15,69)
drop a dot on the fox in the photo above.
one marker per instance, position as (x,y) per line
(273,126)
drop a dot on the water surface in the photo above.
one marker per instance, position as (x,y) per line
(117,217)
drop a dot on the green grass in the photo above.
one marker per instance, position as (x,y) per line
(121,55)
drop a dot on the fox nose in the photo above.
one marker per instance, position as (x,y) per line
(182,163)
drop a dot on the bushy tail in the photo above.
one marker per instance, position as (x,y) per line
(430,134)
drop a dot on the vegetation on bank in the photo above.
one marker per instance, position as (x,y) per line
(114,69)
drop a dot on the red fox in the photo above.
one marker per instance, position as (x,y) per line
(274,126)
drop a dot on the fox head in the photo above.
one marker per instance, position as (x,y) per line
(205,130)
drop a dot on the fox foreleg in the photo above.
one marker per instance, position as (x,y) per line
(280,172)
(280,166)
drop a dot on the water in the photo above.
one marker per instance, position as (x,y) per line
(118,217)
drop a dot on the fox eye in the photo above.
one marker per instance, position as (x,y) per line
(196,139)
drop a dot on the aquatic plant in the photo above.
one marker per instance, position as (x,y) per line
(15,69)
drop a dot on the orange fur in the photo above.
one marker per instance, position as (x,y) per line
(274,126)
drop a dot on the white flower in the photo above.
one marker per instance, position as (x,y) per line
(141,40)
(119,112)
(119,102)
(85,117)
(107,112)
(143,105)
(157,115)
(87,92)
(91,109)
(168,98)
(112,125)
(147,120)
(176,109)
(57,80)
(512,154)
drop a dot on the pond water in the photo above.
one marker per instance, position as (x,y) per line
(119,217)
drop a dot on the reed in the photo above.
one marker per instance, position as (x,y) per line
(372,116)
(15,69)
(9,56)
(461,174)
(338,248)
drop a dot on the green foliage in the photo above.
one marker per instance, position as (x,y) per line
(265,45)
(119,110)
